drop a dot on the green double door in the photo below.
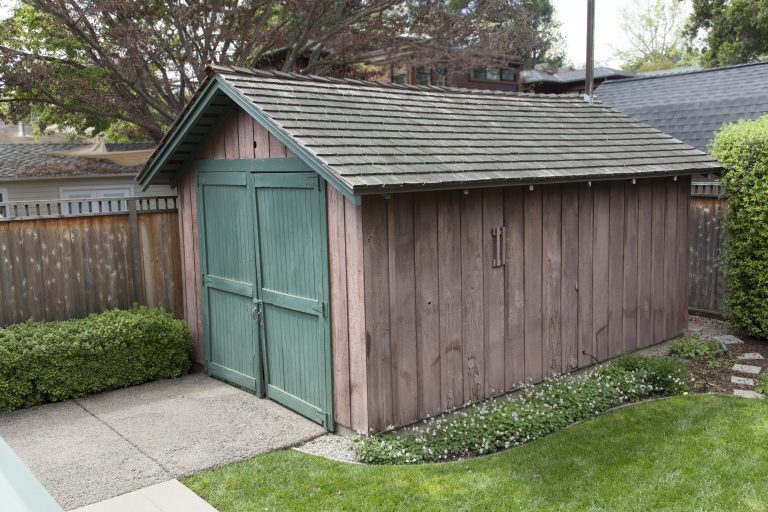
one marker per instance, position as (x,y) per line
(265,285)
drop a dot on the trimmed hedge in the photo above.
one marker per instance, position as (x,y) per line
(538,410)
(743,150)
(48,362)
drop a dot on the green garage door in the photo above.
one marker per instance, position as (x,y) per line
(290,213)
(228,265)
(265,285)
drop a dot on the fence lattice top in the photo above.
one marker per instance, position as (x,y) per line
(22,210)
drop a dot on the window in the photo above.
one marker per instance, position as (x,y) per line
(422,76)
(494,74)
(400,75)
(3,199)
(97,198)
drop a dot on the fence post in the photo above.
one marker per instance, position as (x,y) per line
(138,274)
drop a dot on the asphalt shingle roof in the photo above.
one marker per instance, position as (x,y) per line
(694,104)
(19,160)
(377,137)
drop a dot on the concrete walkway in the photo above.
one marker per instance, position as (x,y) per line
(88,450)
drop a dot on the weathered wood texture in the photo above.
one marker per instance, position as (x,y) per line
(591,272)
(61,268)
(345,247)
(706,237)
(235,136)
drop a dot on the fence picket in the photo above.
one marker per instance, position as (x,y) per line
(53,248)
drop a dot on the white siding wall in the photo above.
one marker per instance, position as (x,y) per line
(41,189)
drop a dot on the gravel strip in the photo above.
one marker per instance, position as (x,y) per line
(331,447)
(708,328)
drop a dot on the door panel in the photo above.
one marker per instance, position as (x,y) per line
(228,264)
(290,213)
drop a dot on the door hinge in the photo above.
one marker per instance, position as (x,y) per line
(320,308)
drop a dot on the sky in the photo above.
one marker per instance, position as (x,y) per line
(608,36)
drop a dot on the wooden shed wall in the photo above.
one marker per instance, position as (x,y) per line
(236,136)
(591,272)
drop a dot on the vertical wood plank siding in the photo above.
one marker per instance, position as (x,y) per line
(235,136)
(591,272)
(707,237)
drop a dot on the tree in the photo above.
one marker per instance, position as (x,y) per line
(655,35)
(139,62)
(729,32)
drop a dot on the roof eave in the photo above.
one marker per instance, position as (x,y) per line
(370,190)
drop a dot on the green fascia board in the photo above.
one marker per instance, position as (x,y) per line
(210,91)
(186,124)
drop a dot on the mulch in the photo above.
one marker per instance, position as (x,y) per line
(714,375)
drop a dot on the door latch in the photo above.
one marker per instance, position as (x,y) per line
(257,313)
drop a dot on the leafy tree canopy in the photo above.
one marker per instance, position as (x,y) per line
(729,31)
(97,62)
(654,30)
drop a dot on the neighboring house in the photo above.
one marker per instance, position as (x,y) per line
(547,79)
(691,104)
(36,172)
(392,66)
(503,75)
(418,248)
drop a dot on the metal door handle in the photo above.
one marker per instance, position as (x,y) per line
(257,311)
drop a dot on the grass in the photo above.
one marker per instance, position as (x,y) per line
(688,453)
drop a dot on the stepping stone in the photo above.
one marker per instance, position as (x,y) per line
(746,368)
(751,355)
(744,381)
(728,339)
(747,394)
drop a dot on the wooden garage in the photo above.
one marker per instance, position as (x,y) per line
(372,254)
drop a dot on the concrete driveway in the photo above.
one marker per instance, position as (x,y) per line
(88,450)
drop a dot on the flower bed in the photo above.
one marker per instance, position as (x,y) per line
(536,411)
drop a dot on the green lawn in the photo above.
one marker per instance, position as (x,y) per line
(697,453)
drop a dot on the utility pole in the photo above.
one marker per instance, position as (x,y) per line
(590,71)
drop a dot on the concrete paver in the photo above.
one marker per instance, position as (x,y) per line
(744,381)
(88,450)
(728,339)
(170,496)
(748,394)
(746,368)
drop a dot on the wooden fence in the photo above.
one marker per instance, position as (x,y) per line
(706,287)
(68,262)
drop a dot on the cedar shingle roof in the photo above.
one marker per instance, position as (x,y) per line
(376,136)
(692,104)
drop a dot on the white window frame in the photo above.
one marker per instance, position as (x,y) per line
(102,197)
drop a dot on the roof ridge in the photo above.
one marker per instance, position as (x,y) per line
(273,73)
(639,77)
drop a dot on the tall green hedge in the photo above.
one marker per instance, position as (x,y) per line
(743,150)
(48,362)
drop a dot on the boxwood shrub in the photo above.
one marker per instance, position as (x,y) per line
(742,148)
(536,411)
(48,362)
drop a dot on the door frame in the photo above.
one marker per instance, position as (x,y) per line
(277,165)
